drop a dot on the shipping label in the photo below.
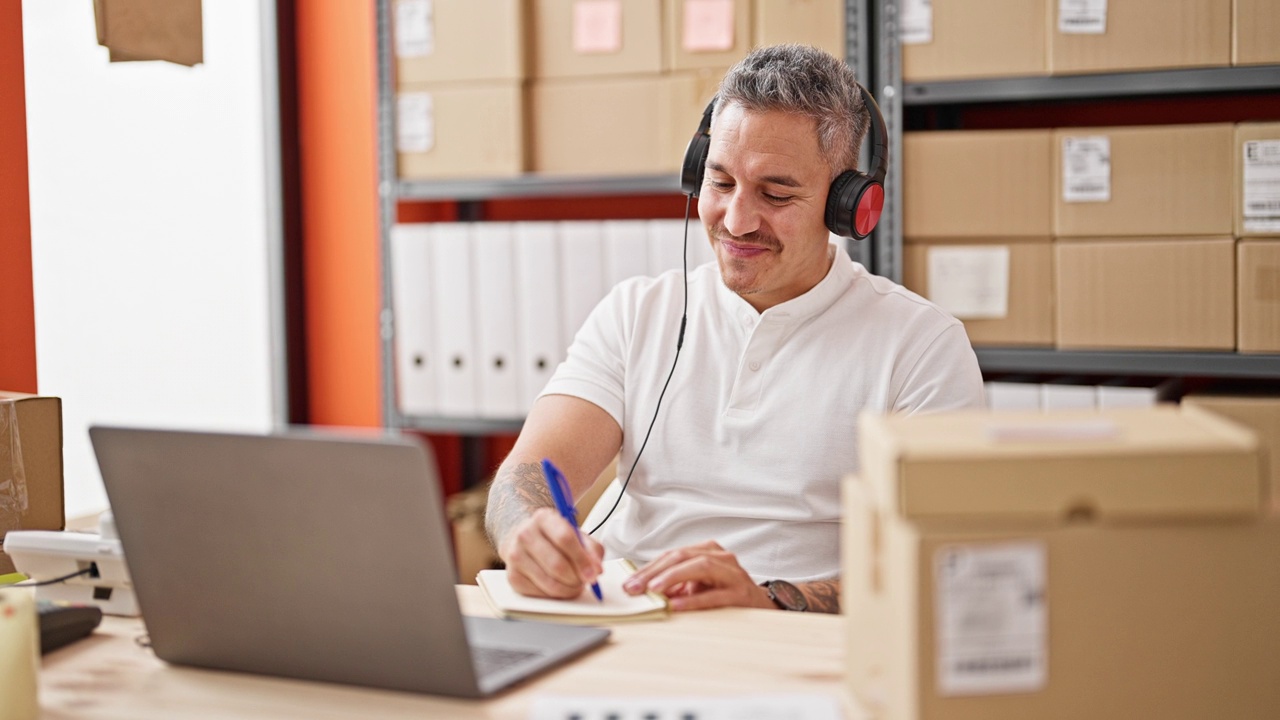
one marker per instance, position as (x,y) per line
(1261,185)
(970,282)
(1082,17)
(415,32)
(1086,169)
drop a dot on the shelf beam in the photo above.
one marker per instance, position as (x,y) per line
(1157,364)
(538,186)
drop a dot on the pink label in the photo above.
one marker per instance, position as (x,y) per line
(708,25)
(597,26)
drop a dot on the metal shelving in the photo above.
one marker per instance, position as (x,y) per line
(1091,362)
(537,186)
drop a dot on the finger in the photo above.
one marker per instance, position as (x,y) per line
(583,560)
(542,561)
(706,570)
(642,579)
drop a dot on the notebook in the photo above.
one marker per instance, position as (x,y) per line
(317,556)
(617,605)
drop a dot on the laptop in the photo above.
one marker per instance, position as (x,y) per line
(308,555)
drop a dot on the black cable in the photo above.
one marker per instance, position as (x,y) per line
(53,581)
(684,317)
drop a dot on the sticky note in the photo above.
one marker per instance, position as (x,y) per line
(708,25)
(597,26)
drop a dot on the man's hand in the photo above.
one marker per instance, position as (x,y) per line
(544,557)
(699,577)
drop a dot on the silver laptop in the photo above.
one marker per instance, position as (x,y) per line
(308,555)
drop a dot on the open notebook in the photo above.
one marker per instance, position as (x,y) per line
(617,605)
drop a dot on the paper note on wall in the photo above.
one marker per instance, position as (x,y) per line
(597,26)
(915,22)
(1261,184)
(415,122)
(1082,17)
(415,28)
(1086,169)
(708,25)
(970,282)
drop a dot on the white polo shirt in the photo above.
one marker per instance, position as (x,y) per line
(760,422)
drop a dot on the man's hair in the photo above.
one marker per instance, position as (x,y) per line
(804,80)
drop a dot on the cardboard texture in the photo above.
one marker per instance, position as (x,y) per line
(977,184)
(475,131)
(1146,35)
(1255,32)
(580,38)
(459,41)
(1127,573)
(134,30)
(1166,180)
(703,34)
(819,23)
(1265,223)
(981,38)
(573,119)
(1258,296)
(1029,321)
(30,465)
(1261,415)
(1146,293)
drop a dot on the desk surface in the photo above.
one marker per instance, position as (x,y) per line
(716,652)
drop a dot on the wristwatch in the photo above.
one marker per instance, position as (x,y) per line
(785,595)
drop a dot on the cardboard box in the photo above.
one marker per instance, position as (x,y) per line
(140,30)
(977,183)
(1139,35)
(1147,293)
(30,465)
(1166,180)
(471,547)
(976,39)
(455,131)
(819,23)
(1255,32)
(1258,296)
(981,276)
(618,125)
(583,38)
(458,40)
(1003,566)
(700,34)
(1261,415)
(1257,191)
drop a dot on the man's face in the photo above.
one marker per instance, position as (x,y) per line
(762,202)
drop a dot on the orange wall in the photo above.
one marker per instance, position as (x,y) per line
(17,306)
(338,187)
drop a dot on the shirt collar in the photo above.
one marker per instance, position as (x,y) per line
(818,298)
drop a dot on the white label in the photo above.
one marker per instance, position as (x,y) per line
(415,123)
(970,282)
(992,622)
(1082,17)
(415,28)
(748,706)
(1261,183)
(1086,169)
(915,22)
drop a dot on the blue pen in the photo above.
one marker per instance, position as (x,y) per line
(560,493)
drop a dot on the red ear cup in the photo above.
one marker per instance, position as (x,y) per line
(854,204)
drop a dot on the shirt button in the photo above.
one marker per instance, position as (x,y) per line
(746,320)
(754,365)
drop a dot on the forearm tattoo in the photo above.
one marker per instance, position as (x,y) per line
(515,494)
(823,595)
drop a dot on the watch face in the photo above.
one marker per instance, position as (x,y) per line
(786,596)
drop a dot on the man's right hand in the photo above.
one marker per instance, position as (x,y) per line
(544,557)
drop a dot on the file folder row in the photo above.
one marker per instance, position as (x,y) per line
(484,312)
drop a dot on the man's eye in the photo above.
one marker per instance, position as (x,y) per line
(778,198)
(718,185)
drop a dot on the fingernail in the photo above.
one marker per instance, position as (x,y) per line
(632,586)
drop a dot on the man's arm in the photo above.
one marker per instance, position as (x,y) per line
(541,550)
(822,595)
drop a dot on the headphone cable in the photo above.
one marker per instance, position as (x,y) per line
(684,317)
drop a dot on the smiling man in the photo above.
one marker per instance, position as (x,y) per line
(736,498)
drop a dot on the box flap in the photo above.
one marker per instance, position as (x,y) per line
(1113,464)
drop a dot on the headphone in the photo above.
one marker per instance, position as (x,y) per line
(855,200)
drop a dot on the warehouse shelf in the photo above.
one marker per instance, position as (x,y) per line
(458,425)
(1185,364)
(538,186)
(1066,87)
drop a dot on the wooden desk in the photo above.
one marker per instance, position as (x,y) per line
(716,652)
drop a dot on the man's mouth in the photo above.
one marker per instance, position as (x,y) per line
(742,250)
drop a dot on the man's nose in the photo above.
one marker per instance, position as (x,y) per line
(741,217)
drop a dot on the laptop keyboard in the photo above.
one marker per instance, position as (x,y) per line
(490,659)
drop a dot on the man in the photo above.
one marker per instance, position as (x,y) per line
(787,341)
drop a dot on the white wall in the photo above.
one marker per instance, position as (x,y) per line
(152,227)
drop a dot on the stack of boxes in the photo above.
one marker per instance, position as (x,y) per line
(574,87)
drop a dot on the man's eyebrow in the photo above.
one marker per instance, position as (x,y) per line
(783,180)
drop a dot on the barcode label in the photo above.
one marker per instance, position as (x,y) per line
(1261,184)
(415,122)
(915,22)
(992,618)
(1086,169)
(415,28)
(1082,17)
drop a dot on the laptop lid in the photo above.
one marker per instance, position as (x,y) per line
(309,555)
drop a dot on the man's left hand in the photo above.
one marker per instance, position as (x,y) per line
(699,577)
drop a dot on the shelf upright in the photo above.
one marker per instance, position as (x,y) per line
(857,53)
(887,72)
(387,198)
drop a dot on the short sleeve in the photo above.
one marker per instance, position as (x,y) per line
(946,376)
